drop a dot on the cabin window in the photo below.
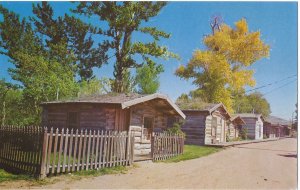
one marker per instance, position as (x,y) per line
(73,120)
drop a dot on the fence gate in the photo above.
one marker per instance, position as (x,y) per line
(166,146)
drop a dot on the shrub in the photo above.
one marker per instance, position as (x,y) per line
(243,133)
(176,129)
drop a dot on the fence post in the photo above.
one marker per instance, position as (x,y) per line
(44,155)
(152,147)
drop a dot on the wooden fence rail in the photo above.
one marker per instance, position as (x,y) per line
(165,146)
(21,148)
(39,151)
(69,151)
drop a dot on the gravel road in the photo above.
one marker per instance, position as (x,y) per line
(256,166)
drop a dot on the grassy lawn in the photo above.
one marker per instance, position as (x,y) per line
(5,176)
(192,152)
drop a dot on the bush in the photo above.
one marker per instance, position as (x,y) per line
(243,133)
(176,129)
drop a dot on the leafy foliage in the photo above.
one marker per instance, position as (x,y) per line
(186,102)
(222,70)
(176,129)
(94,87)
(252,103)
(123,20)
(147,78)
(243,133)
(47,82)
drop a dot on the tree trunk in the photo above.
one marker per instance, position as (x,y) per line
(3,113)
(117,85)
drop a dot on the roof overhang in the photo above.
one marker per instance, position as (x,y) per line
(151,97)
(238,120)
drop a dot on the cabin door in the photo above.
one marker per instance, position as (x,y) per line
(148,127)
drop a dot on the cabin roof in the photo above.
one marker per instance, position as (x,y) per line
(276,120)
(237,119)
(208,107)
(125,100)
(250,115)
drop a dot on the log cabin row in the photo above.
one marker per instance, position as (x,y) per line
(144,114)
(210,124)
(253,125)
(276,127)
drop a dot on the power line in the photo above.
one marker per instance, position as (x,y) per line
(280,87)
(267,85)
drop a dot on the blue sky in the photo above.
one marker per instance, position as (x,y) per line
(188,22)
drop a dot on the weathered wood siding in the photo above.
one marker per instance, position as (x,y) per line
(198,127)
(90,116)
(254,127)
(269,130)
(194,127)
(234,130)
(259,129)
(221,126)
(138,112)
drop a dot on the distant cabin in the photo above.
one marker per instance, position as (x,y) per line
(208,124)
(142,114)
(276,127)
(253,124)
(235,127)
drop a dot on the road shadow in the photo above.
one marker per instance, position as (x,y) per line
(289,155)
(275,150)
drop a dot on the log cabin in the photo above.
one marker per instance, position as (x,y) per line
(276,127)
(253,124)
(206,125)
(141,114)
(235,127)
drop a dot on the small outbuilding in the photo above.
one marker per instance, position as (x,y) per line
(253,124)
(235,127)
(207,124)
(276,127)
(142,114)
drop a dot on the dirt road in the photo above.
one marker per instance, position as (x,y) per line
(260,165)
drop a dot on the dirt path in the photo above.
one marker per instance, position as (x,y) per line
(260,165)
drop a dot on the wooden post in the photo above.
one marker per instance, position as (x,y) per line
(75,151)
(44,155)
(102,140)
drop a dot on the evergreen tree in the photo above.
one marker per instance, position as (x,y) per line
(123,19)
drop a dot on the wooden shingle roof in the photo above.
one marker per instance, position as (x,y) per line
(276,120)
(250,115)
(124,100)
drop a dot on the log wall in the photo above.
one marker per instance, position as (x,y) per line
(194,127)
(142,145)
(198,127)
(254,127)
(90,116)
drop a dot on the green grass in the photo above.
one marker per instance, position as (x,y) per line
(192,152)
(102,171)
(6,176)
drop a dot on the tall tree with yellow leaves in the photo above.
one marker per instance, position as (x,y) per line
(223,68)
